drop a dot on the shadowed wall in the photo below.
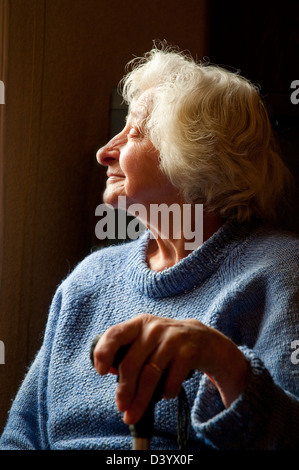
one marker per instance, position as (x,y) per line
(60,61)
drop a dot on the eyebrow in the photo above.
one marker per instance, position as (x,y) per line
(138,116)
(134,115)
(142,114)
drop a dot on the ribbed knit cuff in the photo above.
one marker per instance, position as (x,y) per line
(243,425)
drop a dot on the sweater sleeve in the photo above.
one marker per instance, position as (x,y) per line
(22,430)
(266,415)
(26,424)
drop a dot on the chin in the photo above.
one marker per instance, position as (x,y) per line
(111,198)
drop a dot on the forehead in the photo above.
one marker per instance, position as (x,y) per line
(142,107)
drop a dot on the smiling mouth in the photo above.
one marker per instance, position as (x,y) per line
(118,175)
(114,177)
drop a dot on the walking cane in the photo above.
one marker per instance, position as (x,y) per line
(142,431)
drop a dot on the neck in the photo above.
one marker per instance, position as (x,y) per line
(166,252)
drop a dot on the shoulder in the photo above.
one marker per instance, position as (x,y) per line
(271,253)
(274,244)
(102,260)
(102,265)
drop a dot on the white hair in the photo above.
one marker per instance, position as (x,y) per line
(213,133)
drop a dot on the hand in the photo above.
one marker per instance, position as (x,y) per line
(178,346)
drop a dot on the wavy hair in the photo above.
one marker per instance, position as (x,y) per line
(213,133)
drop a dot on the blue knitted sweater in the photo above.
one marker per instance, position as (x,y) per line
(242,281)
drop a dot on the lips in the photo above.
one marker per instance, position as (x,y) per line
(114,179)
(114,175)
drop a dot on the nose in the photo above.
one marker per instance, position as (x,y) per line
(107,155)
(111,151)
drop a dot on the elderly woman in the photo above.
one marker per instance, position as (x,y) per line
(226,310)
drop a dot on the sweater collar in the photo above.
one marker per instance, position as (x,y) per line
(190,271)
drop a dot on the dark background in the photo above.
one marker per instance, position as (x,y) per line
(261,39)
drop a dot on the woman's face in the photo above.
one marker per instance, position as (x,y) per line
(133,162)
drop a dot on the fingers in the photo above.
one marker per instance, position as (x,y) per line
(157,349)
(168,348)
(152,386)
(137,381)
(111,341)
(161,376)
(132,368)
(146,388)
(142,341)
(156,382)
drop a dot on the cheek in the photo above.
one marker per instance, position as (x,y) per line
(128,161)
(139,163)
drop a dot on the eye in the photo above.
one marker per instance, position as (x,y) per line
(134,132)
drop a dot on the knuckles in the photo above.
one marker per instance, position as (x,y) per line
(178,339)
